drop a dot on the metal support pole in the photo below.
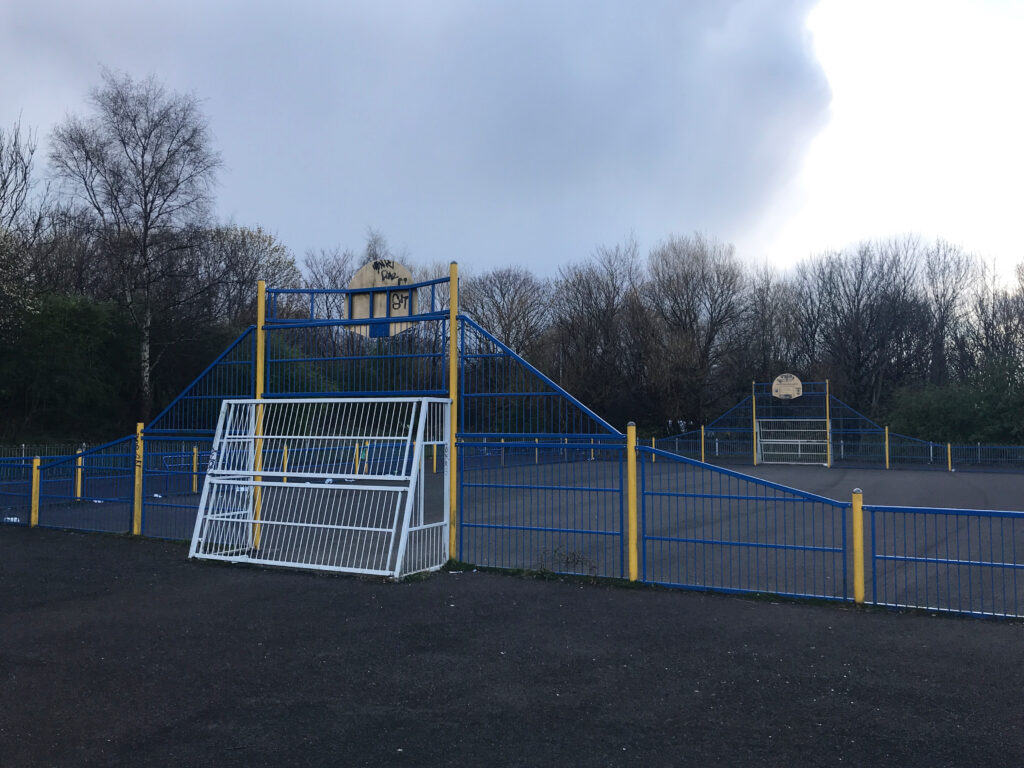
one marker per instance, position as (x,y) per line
(453,394)
(631,544)
(702,443)
(949,457)
(858,545)
(195,469)
(137,501)
(34,509)
(78,475)
(828,426)
(753,414)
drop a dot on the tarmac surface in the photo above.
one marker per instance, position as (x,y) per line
(116,651)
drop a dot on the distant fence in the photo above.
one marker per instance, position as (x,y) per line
(589,505)
(863,448)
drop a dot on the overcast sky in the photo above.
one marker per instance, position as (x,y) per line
(532,132)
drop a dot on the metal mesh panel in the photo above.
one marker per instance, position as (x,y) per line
(92,491)
(327,484)
(792,441)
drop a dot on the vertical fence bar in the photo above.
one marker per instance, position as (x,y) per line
(34,509)
(858,545)
(195,469)
(453,394)
(137,499)
(887,447)
(78,475)
(631,499)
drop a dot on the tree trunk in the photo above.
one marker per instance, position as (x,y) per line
(145,384)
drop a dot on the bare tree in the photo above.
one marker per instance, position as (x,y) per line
(143,163)
(511,303)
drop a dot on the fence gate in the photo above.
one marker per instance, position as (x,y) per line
(346,484)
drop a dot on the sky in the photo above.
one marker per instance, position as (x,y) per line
(494,132)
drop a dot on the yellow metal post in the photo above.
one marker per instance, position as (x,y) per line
(828,426)
(702,443)
(753,414)
(284,463)
(195,469)
(536,451)
(949,457)
(78,475)
(591,449)
(858,545)
(137,501)
(358,446)
(453,394)
(435,457)
(887,446)
(503,451)
(34,509)
(653,457)
(631,500)
(261,365)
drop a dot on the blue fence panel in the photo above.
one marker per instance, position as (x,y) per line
(958,560)
(170,487)
(555,505)
(107,481)
(704,527)
(15,490)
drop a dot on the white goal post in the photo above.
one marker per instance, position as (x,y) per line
(340,484)
(792,441)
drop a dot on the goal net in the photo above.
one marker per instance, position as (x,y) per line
(341,484)
(792,441)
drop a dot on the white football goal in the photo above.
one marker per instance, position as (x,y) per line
(792,441)
(358,485)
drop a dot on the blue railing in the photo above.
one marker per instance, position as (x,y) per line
(704,527)
(958,560)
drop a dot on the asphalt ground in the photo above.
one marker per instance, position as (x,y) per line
(117,652)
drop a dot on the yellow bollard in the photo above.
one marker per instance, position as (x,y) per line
(858,545)
(631,545)
(78,475)
(137,500)
(34,509)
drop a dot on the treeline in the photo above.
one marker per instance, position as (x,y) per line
(118,287)
(911,333)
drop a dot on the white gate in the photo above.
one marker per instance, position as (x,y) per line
(342,484)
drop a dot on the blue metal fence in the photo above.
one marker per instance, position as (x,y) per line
(536,503)
(91,491)
(704,527)
(957,560)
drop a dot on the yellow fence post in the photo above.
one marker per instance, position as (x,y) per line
(434,446)
(195,469)
(284,463)
(887,446)
(753,413)
(631,500)
(536,451)
(453,394)
(858,545)
(949,457)
(137,501)
(503,451)
(702,443)
(261,365)
(78,475)
(653,457)
(591,449)
(34,509)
